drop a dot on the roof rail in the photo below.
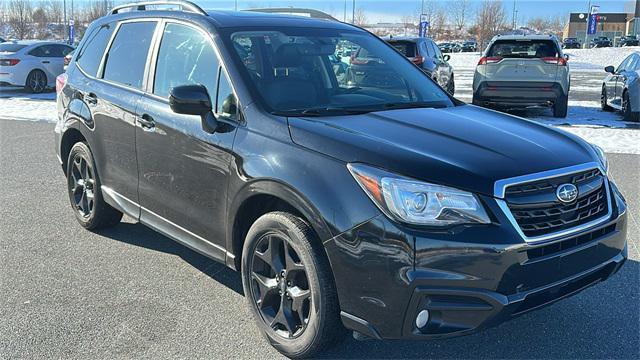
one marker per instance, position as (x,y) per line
(314,14)
(142,5)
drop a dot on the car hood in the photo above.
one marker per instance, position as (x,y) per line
(466,147)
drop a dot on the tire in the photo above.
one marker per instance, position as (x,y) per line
(317,326)
(603,100)
(36,82)
(626,109)
(83,186)
(451,86)
(560,107)
(475,101)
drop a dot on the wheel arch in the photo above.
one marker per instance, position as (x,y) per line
(69,138)
(258,198)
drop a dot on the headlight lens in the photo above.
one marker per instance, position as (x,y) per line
(416,202)
(602,157)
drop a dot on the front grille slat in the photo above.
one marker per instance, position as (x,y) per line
(537,219)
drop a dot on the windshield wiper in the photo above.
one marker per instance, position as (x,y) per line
(414,105)
(323,111)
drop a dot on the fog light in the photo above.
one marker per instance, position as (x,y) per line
(422,319)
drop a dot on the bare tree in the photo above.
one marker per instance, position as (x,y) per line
(460,10)
(360,17)
(490,19)
(20,18)
(409,22)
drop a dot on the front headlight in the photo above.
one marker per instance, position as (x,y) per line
(416,202)
(601,157)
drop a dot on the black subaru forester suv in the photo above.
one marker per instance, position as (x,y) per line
(390,209)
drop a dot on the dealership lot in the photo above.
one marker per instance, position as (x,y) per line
(130,292)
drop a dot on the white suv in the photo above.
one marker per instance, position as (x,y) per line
(522,71)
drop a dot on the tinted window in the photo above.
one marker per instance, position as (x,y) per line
(633,62)
(41,51)
(406,48)
(623,64)
(430,51)
(11,47)
(91,53)
(294,72)
(436,50)
(226,104)
(51,51)
(524,49)
(127,57)
(62,50)
(185,57)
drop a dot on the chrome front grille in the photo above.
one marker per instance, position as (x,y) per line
(538,212)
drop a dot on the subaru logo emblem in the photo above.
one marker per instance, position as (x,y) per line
(567,193)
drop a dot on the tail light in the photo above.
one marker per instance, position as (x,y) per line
(418,60)
(555,60)
(489,60)
(61,80)
(9,62)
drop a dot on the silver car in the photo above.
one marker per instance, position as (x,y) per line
(523,71)
(621,88)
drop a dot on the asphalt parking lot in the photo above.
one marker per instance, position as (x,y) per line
(128,292)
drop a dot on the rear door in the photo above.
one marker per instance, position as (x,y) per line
(526,60)
(612,84)
(183,170)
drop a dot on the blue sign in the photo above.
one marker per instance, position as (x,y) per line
(592,26)
(72,33)
(424,28)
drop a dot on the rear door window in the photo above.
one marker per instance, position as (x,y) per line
(524,49)
(406,48)
(89,57)
(42,51)
(127,58)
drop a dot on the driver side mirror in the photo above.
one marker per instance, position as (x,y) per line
(610,69)
(446,57)
(194,100)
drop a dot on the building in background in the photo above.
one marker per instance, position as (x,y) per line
(611,25)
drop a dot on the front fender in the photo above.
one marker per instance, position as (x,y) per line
(633,88)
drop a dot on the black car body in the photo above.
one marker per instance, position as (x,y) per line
(427,55)
(621,88)
(628,41)
(221,163)
(571,43)
(600,42)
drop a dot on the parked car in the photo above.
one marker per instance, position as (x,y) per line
(571,43)
(469,46)
(67,59)
(32,64)
(522,71)
(449,47)
(601,42)
(621,88)
(425,54)
(395,211)
(628,41)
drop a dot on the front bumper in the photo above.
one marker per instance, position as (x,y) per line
(518,93)
(468,278)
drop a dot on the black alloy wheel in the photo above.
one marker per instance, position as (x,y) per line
(82,184)
(628,114)
(36,82)
(603,100)
(280,287)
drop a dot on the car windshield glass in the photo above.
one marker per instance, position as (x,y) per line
(524,49)
(406,48)
(292,70)
(11,48)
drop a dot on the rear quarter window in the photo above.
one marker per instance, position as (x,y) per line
(406,48)
(524,49)
(89,57)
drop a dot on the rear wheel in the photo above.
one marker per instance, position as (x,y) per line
(83,184)
(288,283)
(627,112)
(560,107)
(603,100)
(36,82)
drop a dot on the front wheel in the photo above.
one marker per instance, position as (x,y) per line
(603,100)
(627,112)
(451,86)
(289,286)
(83,185)
(560,107)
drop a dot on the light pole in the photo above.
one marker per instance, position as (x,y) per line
(236,5)
(353,12)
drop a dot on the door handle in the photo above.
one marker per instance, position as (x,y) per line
(91,99)
(45,61)
(147,122)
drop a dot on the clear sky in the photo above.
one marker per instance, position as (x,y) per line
(393,10)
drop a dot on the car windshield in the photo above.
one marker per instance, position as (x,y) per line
(523,49)
(304,72)
(11,48)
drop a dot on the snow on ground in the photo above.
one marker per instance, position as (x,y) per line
(15,104)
